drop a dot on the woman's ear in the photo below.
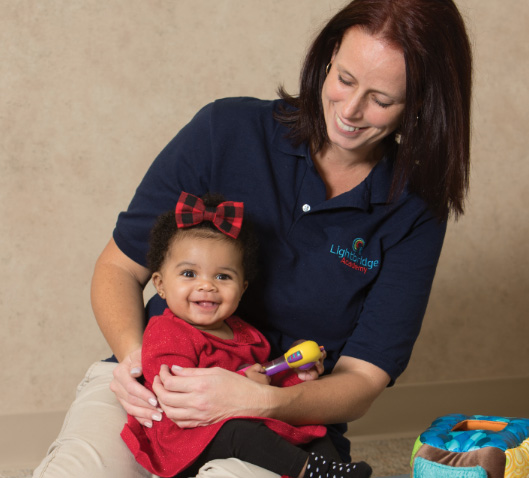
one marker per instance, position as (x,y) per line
(157,280)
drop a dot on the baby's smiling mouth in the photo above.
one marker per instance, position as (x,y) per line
(205,303)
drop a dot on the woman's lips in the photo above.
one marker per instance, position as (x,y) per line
(344,127)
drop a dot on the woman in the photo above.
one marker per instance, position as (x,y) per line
(350,186)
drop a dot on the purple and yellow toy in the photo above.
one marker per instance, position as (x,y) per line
(303,355)
(477,446)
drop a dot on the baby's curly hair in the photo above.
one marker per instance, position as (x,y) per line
(165,231)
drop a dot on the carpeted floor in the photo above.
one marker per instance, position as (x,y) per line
(388,457)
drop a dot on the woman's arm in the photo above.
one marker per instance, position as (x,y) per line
(351,388)
(208,395)
(117,301)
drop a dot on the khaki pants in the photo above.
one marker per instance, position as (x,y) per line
(89,445)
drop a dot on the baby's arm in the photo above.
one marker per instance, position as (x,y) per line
(165,343)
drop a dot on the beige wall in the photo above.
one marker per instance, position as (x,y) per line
(91,90)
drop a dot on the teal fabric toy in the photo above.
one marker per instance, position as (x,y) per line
(477,446)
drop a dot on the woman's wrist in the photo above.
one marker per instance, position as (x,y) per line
(276,402)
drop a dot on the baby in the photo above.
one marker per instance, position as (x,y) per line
(202,258)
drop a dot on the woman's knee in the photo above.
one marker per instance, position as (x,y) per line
(89,443)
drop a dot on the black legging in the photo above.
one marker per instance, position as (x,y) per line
(255,443)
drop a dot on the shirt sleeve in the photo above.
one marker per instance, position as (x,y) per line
(183,165)
(392,314)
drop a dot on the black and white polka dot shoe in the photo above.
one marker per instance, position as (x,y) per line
(320,467)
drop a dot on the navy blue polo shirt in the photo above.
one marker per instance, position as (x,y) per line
(353,272)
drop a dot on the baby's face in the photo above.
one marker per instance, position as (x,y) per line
(202,280)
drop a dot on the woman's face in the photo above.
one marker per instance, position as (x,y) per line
(364,93)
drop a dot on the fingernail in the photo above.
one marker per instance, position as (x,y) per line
(135,370)
(176,367)
(157,417)
(148,424)
(153,402)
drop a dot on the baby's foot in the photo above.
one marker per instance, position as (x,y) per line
(320,467)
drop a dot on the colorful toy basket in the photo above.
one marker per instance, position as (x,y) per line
(477,446)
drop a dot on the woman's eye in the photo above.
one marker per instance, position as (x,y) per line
(381,104)
(342,80)
(187,273)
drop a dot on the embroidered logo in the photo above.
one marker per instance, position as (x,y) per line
(358,245)
(354,258)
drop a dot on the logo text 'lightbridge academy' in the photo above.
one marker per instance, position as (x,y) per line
(353,258)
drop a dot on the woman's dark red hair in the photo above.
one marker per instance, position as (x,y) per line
(433,158)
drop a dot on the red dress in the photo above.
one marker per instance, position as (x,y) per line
(166,449)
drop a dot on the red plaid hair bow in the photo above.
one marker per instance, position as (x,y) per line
(227,216)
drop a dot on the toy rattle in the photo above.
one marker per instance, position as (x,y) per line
(302,355)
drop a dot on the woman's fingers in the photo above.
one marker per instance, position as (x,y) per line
(198,397)
(180,399)
(133,396)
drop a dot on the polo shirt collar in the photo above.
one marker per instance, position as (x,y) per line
(285,145)
(373,190)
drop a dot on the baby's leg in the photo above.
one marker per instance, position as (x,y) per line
(255,443)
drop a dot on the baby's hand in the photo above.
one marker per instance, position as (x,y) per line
(313,373)
(256,373)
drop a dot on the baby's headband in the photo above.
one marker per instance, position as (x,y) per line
(226,217)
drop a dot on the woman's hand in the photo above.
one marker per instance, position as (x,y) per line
(134,397)
(202,396)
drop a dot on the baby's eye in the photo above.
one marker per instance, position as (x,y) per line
(188,273)
(223,277)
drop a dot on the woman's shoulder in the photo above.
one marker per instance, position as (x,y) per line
(242,110)
(245,103)
(235,121)
(230,120)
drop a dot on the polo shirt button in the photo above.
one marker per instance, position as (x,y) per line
(306,208)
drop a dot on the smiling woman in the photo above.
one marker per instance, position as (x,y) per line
(316,172)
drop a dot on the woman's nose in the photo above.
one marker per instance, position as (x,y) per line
(353,107)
